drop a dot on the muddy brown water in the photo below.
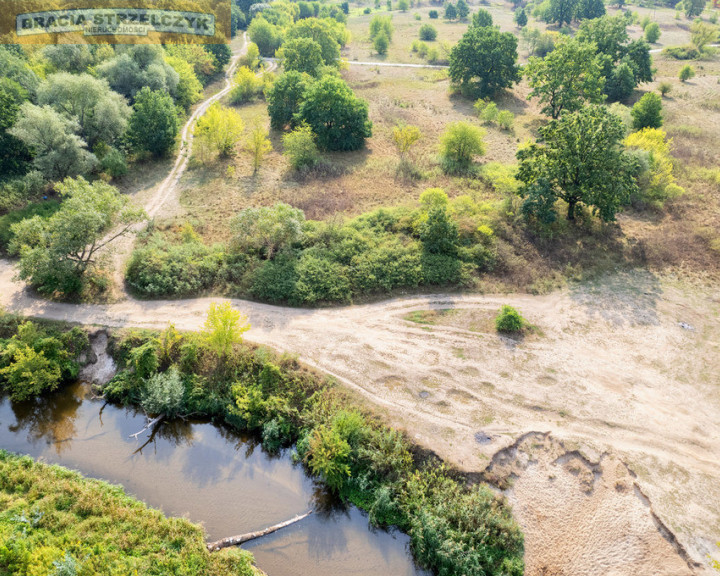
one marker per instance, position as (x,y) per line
(210,475)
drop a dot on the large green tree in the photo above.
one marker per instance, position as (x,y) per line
(484,61)
(337,116)
(14,155)
(588,9)
(154,124)
(138,66)
(57,149)
(56,252)
(302,55)
(284,99)
(101,113)
(579,159)
(566,78)
(321,31)
(562,11)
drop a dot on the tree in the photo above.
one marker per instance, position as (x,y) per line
(328,456)
(58,152)
(462,9)
(484,61)
(403,5)
(189,88)
(267,230)
(14,155)
(300,148)
(621,83)
(224,328)
(100,113)
(482,18)
(220,128)
(702,34)
(266,36)
(154,124)
(381,43)
(428,32)
(247,86)
(139,66)
(579,159)
(647,112)
(302,55)
(433,14)
(285,97)
(686,73)
(381,24)
(438,233)
(450,11)
(566,78)
(336,115)
(259,145)
(652,32)
(163,394)
(56,252)
(459,145)
(521,18)
(664,88)
(562,11)
(693,8)
(75,58)
(323,32)
(588,9)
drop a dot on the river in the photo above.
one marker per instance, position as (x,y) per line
(210,475)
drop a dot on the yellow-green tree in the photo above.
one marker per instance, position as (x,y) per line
(224,327)
(259,145)
(404,137)
(220,129)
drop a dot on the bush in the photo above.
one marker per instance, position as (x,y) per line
(300,148)
(321,280)
(686,72)
(248,86)
(381,43)
(509,320)
(664,88)
(687,52)
(505,119)
(652,32)
(163,394)
(367,10)
(647,112)
(459,144)
(428,32)
(162,269)
(433,14)
(43,209)
(35,361)
(113,163)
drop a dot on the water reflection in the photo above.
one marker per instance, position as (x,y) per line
(211,475)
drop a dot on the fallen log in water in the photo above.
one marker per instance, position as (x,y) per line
(237,540)
(149,426)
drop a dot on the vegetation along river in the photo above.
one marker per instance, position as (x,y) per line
(210,475)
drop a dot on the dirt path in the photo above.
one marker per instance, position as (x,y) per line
(612,374)
(603,427)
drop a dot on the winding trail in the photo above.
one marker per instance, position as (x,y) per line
(611,371)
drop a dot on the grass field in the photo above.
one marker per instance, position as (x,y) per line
(357,182)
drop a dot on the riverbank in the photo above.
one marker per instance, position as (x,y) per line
(55,521)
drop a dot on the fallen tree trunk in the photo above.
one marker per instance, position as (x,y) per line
(237,540)
(149,426)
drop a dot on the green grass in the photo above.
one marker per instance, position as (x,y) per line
(55,521)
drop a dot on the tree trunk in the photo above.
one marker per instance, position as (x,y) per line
(571,210)
(236,540)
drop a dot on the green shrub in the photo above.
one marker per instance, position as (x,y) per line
(35,361)
(381,43)
(433,14)
(428,32)
(652,32)
(163,269)
(113,163)
(686,72)
(509,320)
(163,394)
(687,52)
(505,119)
(321,280)
(459,144)
(43,209)
(664,88)
(647,112)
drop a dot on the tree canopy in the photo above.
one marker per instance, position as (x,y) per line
(579,158)
(336,115)
(56,252)
(302,55)
(566,78)
(484,61)
(154,124)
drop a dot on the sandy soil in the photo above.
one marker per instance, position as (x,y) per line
(609,371)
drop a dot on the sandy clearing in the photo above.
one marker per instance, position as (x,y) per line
(612,372)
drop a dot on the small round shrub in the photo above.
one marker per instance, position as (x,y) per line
(664,88)
(433,14)
(686,72)
(428,32)
(509,320)
(652,32)
(367,10)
